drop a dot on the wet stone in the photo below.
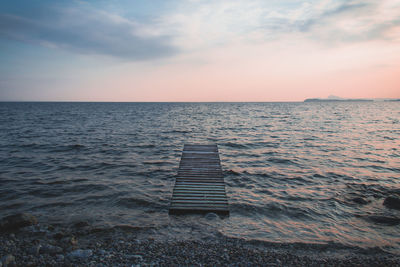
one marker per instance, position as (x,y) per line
(385,220)
(14,222)
(50,249)
(35,250)
(60,257)
(59,235)
(7,260)
(211,216)
(80,254)
(69,241)
(392,202)
(135,257)
(360,200)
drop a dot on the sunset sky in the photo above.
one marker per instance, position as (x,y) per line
(167,50)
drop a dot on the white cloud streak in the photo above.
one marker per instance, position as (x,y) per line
(203,24)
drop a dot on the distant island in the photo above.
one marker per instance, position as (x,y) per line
(333,98)
(336,100)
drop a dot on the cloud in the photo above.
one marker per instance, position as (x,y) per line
(355,21)
(201,24)
(88,31)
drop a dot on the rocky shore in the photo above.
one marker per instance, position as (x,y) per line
(24,242)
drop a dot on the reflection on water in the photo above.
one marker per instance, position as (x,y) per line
(295,172)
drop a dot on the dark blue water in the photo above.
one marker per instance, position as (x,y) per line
(295,172)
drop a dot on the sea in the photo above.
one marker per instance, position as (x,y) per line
(295,172)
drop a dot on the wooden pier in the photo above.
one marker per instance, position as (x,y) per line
(199,186)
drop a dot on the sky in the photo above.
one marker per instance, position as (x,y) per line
(169,50)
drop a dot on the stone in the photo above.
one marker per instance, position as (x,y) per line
(7,260)
(74,241)
(135,257)
(211,216)
(50,249)
(80,253)
(59,235)
(70,241)
(35,250)
(14,222)
(392,202)
(385,220)
(60,257)
(360,200)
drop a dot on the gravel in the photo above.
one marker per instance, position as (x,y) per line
(49,245)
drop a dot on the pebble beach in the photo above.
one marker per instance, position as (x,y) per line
(39,244)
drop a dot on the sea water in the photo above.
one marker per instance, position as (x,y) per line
(295,172)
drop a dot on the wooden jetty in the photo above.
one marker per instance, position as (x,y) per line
(199,185)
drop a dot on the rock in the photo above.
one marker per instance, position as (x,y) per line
(70,241)
(14,222)
(59,235)
(50,249)
(35,250)
(211,216)
(360,200)
(392,202)
(73,241)
(135,257)
(385,220)
(60,257)
(8,260)
(80,253)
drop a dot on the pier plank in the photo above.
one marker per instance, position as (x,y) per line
(199,185)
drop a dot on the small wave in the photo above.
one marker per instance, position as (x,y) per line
(251,210)
(67,148)
(234,145)
(275,209)
(130,202)
(369,190)
(12,206)
(145,146)
(340,176)
(53,205)
(57,182)
(232,172)
(129,228)
(98,166)
(176,132)
(32,145)
(85,188)
(282,161)
(317,175)
(158,163)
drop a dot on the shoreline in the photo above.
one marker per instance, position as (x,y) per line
(83,245)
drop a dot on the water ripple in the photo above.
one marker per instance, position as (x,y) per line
(295,172)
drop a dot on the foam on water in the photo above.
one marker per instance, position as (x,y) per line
(295,172)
